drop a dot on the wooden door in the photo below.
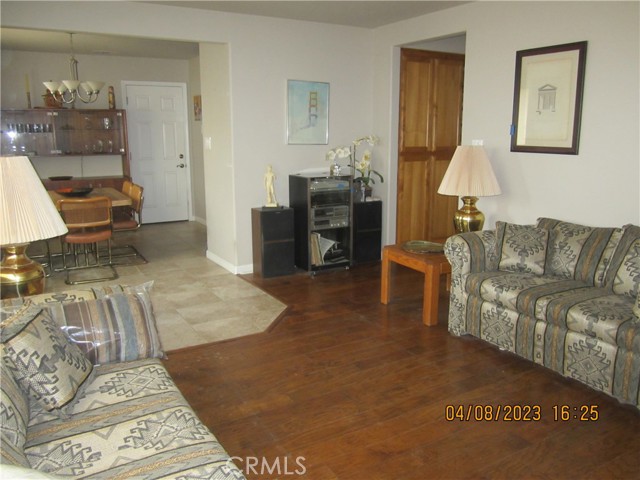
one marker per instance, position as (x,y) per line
(430,130)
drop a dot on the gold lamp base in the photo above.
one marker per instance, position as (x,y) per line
(19,275)
(468,218)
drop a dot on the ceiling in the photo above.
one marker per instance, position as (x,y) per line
(364,14)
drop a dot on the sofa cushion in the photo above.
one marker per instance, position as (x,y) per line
(577,251)
(608,318)
(43,361)
(520,292)
(129,421)
(115,328)
(521,248)
(636,305)
(14,417)
(623,275)
(569,304)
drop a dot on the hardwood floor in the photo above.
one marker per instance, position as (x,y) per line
(343,387)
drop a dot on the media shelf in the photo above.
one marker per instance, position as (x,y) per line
(322,207)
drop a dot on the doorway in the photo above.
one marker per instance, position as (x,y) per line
(157,124)
(429,130)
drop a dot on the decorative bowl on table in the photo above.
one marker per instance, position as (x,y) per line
(422,246)
(75,192)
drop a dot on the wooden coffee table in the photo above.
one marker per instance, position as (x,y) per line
(433,265)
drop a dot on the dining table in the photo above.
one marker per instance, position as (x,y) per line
(118,199)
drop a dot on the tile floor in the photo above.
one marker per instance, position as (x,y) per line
(195,300)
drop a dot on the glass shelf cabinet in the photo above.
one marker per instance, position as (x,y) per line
(65,132)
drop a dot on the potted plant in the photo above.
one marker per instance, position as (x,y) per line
(361,166)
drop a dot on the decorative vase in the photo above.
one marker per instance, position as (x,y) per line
(361,191)
(334,170)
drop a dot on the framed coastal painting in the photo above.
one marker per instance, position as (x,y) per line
(547,100)
(307,113)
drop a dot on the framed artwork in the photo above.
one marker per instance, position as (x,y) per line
(307,113)
(547,100)
(197,108)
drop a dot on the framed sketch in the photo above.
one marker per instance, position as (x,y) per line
(547,100)
(307,113)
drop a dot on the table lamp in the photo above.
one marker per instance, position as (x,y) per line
(27,214)
(469,176)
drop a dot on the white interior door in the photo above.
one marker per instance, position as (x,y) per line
(157,127)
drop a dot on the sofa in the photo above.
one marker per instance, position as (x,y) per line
(563,295)
(84,393)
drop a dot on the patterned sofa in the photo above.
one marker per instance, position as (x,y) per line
(84,393)
(562,295)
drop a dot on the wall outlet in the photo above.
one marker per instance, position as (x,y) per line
(477,143)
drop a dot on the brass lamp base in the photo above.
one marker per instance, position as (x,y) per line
(19,275)
(468,218)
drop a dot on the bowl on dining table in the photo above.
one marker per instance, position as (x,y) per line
(75,191)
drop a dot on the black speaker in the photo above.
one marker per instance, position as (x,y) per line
(273,241)
(367,231)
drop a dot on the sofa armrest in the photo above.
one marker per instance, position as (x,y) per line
(472,252)
(467,253)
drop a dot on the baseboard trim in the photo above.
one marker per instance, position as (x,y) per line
(235,269)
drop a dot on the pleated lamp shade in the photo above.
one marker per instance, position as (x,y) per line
(27,213)
(470,174)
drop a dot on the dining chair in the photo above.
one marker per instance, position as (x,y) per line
(131,221)
(126,187)
(89,221)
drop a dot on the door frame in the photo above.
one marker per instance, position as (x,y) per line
(187,160)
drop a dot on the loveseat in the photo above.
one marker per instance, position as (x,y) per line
(562,295)
(85,395)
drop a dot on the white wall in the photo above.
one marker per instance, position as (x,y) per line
(218,160)
(601,185)
(195,141)
(261,63)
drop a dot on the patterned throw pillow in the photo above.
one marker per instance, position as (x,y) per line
(577,251)
(636,305)
(115,328)
(46,365)
(623,274)
(521,248)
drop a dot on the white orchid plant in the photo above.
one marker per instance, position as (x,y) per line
(363,165)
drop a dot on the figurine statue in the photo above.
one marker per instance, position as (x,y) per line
(269,179)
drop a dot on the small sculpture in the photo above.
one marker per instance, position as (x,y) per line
(269,179)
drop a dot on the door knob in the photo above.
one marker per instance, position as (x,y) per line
(181,165)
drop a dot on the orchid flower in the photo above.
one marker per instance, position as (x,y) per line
(362,166)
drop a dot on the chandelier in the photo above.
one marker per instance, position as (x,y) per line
(67,91)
